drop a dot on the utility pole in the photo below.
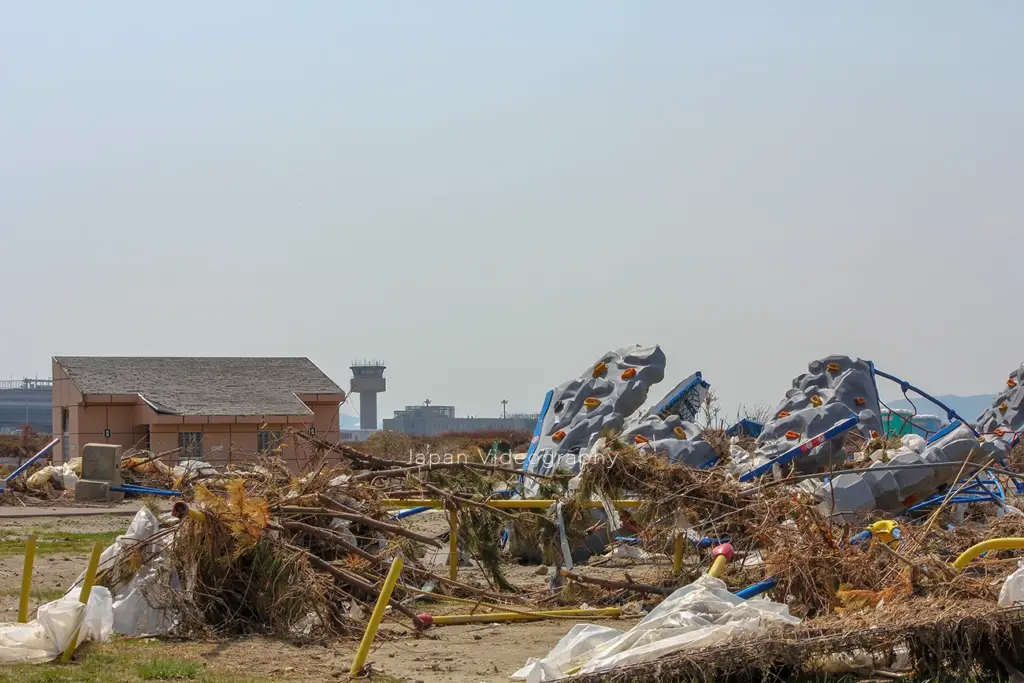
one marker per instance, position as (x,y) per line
(504,402)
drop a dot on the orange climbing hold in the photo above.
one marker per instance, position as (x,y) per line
(558,436)
(1011,382)
(600,369)
(629,373)
(874,434)
(640,438)
(833,367)
(783,413)
(860,401)
(791,435)
(1004,407)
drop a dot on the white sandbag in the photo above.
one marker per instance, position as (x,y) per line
(50,633)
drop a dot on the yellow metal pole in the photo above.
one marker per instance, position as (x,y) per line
(677,556)
(378,614)
(985,546)
(531,503)
(453,545)
(494,617)
(717,566)
(26,579)
(87,583)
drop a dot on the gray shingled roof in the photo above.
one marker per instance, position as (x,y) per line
(204,386)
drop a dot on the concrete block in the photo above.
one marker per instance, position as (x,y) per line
(885,489)
(101,462)
(845,496)
(92,491)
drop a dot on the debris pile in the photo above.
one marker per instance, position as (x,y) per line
(812,543)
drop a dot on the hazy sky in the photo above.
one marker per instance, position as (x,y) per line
(488,196)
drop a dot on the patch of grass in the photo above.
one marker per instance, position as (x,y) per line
(168,670)
(53,542)
(121,661)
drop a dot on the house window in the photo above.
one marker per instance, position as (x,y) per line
(191,445)
(267,440)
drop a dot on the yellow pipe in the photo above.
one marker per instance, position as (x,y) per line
(718,565)
(453,545)
(378,613)
(501,504)
(90,579)
(26,579)
(677,555)
(985,546)
(495,617)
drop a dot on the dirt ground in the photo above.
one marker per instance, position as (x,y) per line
(450,654)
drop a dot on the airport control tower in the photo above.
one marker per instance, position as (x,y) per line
(367,381)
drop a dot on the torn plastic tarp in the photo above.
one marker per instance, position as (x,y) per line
(50,633)
(133,613)
(700,614)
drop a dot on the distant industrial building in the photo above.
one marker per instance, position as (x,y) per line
(26,402)
(431,420)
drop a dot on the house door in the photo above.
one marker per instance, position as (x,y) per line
(65,434)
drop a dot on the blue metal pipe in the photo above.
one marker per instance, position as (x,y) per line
(805,447)
(757,588)
(144,491)
(410,512)
(28,463)
(907,386)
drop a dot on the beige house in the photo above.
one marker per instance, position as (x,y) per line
(215,409)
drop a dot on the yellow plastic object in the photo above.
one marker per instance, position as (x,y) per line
(494,617)
(886,531)
(718,566)
(558,436)
(679,432)
(599,369)
(816,401)
(378,613)
(629,373)
(833,367)
(87,583)
(677,555)
(26,579)
(1009,543)
(501,504)
(453,545)
(591,402)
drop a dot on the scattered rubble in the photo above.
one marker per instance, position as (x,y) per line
(801,550)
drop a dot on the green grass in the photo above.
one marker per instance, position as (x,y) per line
(50,541)
(119,663)
(168,670)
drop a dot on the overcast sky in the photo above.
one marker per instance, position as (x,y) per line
(488,196)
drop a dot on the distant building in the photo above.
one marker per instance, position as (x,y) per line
(431,420)
(26,402)
(206,407)
(356,435)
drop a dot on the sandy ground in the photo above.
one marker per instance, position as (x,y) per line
(453,654)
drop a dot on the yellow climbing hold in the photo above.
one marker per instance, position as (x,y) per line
(600,369)
(679,432)
(591,402)
(816,401)
(833,367)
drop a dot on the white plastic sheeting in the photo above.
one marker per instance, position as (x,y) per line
(700,614)
(132,613)
(1013,587)
(50,633)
